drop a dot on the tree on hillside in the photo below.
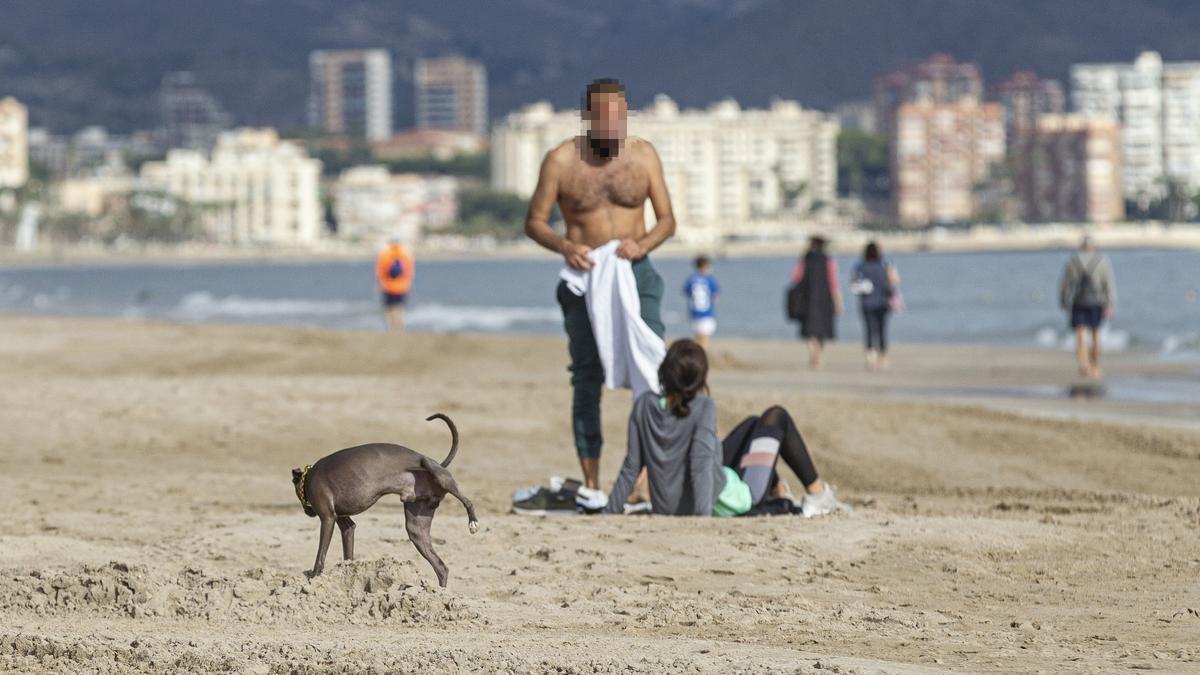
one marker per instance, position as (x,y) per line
(862,160)
(482,211)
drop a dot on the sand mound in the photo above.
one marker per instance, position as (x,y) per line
(355,592)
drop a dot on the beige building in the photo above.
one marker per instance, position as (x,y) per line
(14,143)
(350,92)
(940,154)
(440,144)
(254,188)
(372,204)
(1068,169)
(93,195)
(1025,97)
(451,93)
(939,79)
(728,170)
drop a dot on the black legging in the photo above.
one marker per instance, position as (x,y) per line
(775,422)
(875,328)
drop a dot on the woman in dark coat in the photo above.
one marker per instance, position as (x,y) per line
(817,276)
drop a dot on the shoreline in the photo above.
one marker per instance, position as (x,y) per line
(977,239)
(1035,380)
(1145,350)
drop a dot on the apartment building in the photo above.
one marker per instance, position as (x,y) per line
(1024,98)
(253,189)
(451,93)
(726,167)
(371,204)
(350,92)
(14,143)
(938,79)
(1068,169)
(940,154)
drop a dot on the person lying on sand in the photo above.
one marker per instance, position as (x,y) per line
(673,434)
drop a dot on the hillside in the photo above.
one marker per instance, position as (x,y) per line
(78,61)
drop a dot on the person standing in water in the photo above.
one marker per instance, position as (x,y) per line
(701,290)
(875,282)
(394,271)
(1088,292)
(600,181)
(815,280)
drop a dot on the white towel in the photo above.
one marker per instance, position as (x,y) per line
(630,351)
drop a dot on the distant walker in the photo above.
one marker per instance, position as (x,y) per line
(1088,292)
(394,271)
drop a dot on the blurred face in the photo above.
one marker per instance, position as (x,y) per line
(607,118)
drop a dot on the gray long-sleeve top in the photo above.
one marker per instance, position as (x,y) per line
(682,456)
(1076,289)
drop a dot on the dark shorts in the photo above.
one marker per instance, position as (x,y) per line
(390,299)
(1087,316)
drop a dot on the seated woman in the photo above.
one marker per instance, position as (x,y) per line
(674,436)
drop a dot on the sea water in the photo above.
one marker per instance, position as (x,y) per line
(996,298)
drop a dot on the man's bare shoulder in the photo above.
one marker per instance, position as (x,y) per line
(564,153)
(641,150)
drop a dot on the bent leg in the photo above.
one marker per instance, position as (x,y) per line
(347,527)
(445,481)
(792,447)
(418,517)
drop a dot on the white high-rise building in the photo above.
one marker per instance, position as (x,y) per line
(14,143)
(350,92)
(254,188)
(725,167)
(1158,107)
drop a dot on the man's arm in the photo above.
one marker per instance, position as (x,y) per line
(1066,284)
(664,227)
(630,468)
(537,218)
(1110,287)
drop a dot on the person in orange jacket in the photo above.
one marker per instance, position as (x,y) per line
(394,271)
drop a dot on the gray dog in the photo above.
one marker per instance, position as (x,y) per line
(350,481)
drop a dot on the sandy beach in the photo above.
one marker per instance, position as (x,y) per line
(151,523)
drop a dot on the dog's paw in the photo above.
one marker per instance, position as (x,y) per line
(473,526)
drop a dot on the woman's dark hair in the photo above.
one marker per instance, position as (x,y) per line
(871,252)
(683,374)
(816,244)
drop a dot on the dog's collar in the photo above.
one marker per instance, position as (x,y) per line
(300,487)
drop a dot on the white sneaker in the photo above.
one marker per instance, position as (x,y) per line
(638,507)
(591,500)
(556,483)
(822,503)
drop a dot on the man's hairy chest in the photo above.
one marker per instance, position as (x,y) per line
(587,188)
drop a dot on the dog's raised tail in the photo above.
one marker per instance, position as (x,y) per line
(453,437)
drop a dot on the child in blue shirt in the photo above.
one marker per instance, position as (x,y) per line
(701,290)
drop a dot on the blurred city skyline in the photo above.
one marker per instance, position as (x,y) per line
(76,63)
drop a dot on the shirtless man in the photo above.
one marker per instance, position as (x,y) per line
(601,182)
